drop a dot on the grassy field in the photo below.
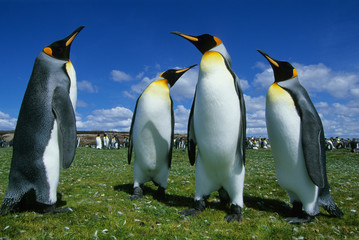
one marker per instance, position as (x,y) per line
(99,182)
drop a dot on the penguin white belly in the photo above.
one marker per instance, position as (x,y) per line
(216,125)
(73,83)
(151,134)
(284,132)
(51,159)
(217,119)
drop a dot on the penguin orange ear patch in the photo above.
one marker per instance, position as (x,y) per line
(48,51)
(295,73)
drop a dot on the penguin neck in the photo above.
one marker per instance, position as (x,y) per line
(288,83)
(73,84)
(222,50)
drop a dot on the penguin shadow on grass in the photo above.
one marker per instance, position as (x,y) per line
(28,203)
(268,205)
(273,206)
(169,200)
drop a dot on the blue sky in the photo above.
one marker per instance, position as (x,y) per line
(125,45)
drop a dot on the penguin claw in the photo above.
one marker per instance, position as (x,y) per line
(137,194)
(235,214)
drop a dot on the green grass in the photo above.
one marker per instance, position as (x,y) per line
(99,182)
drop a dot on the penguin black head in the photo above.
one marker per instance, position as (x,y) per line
(203,42)
(61,49)
(282,70)
(172,75)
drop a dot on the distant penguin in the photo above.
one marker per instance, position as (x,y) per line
(106,141)
(217,126)
(151,134)
(297,139)
(98,142)
(47,122)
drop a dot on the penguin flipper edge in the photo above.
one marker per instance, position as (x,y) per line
(65,116)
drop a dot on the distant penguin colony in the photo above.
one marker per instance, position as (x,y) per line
(151,134)
(216,135)
(47,122)
(292,123)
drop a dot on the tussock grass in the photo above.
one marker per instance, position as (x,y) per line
(99,182)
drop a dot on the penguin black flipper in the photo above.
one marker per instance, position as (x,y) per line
(191,139)
(65,116)
(130,140)
(313,141)
(243,124)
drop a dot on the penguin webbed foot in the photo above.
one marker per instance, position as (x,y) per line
(200,205)
(137,194)
(297,215)
(235,214)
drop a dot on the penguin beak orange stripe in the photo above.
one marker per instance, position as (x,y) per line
(188,37)
(71,39)
(272,61)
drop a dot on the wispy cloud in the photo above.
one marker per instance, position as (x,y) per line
(119,76)
(7,122)
(114,119)
(86,86)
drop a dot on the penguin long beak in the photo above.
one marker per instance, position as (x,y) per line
(172,75)
(270,60)
(72,36)
(185,69)
(188,37)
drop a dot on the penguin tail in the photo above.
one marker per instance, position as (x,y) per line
(7,206)
(327,202)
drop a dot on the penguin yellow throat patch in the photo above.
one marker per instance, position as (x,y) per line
(277,93)
(211,59)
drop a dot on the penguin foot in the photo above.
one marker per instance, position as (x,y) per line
(160,194)
(298,220)
(137,194)
(297,215)
(199,207)
(235,214)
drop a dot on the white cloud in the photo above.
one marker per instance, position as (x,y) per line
(317,78)
(81,103)
(114,119)
(185,87)
(244,84)
(7,122)
(181,119)
(86,86)
(119,76)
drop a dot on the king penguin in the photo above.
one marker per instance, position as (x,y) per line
(296,134)
(47,122)
(217,126)
(151,134)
